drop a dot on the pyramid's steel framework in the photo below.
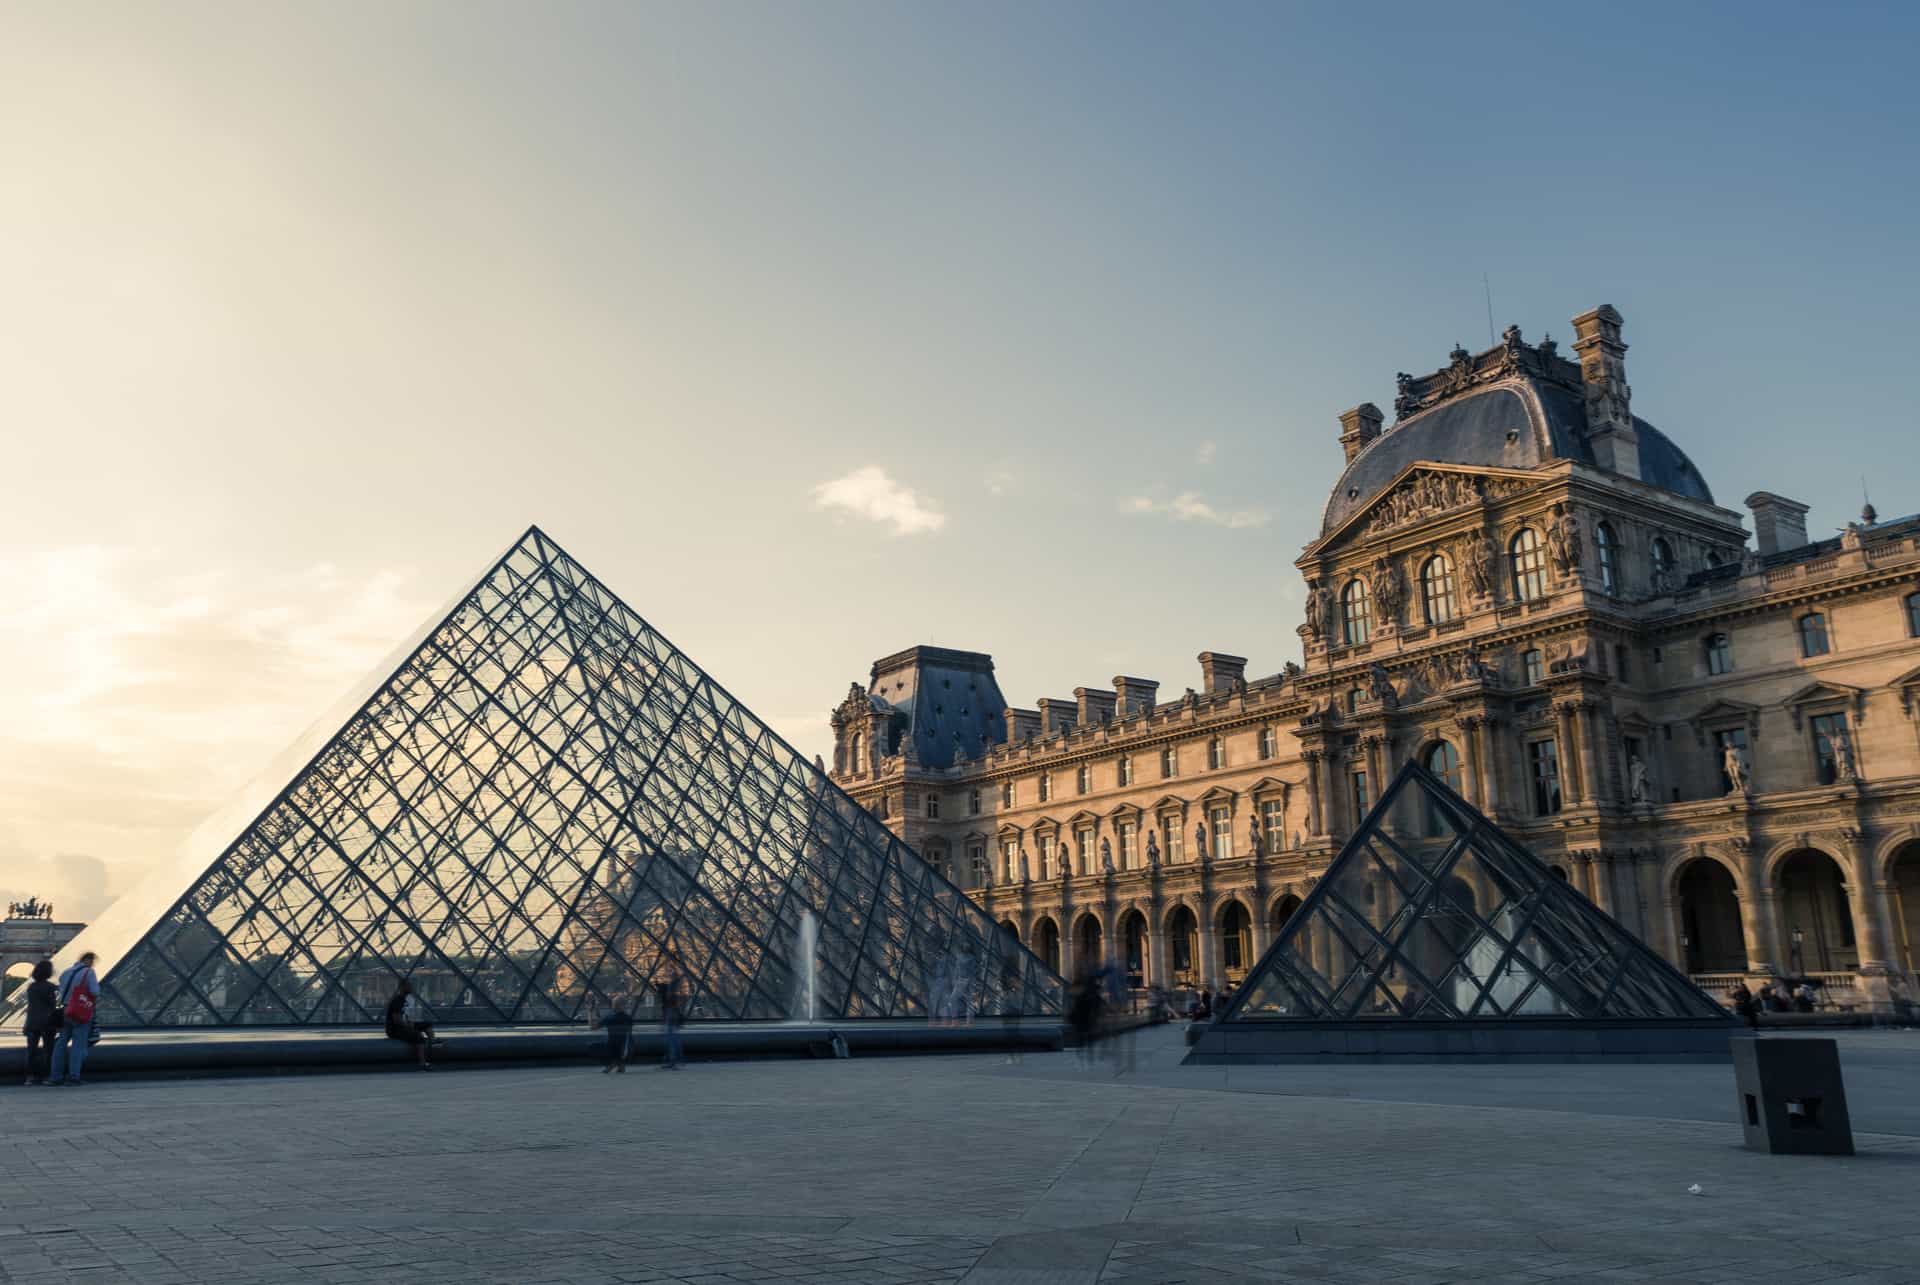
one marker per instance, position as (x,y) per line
(544,801)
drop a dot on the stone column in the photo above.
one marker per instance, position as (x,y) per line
(1597,872)
(1489,766)
(1157,942)
(1759,928)
(1670,921)
(1316,805)
(1866,899)
(1655,928)
(1584,720)
(1208,965)
(1570,792)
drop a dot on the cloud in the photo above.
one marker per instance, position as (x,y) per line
(1189,506)
(1206,452)
(869,493)
(140,697)
(1000,483)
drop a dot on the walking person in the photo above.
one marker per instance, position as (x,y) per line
(618,1024)
(671,1018)
(79,989)
(407,1022)
(1744,1006)
(43,1021)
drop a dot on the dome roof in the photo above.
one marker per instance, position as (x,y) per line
(1519,422)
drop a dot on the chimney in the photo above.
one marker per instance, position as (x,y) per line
(1603,369)
(1056,715)
(1219,671)
(1096,706)
(1778,523)
(1136,695)
(1021,723)
(1358,427)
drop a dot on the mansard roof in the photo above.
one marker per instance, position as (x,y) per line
(1514,406)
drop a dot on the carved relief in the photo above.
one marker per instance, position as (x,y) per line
(1479,557)
(1389,591)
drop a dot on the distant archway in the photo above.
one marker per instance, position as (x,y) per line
(1903,879)
(1087,945)
(1183,947)
(1813,899)
(1046,943)
(1710,918)
(1236,942)
(1278,915)
(1133,948)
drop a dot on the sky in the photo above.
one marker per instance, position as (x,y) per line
(820,330)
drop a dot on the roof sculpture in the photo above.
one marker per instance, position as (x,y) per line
(537,800)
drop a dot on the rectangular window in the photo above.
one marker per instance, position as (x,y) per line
(1220,833)
(1086,851)
(1620,661)
(1543,763)
(1006,794)
(1172,840)
(1273,826)
(973,802)
(1047,851)
(1046,786)
(1358,796)
(1124,770)
(933,807)
(1719,651)
(1737,738)
(1269,743)
(1010,860)
(1083,779)
(1827,730)
(977,864)
(1532,666)
(1813,635)
(1126,829)
(1169,762)
(1216,754)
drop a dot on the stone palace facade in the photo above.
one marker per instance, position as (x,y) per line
(1530,590)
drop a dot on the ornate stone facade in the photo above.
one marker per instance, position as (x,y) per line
(1530,590)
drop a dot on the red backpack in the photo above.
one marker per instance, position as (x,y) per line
(80,1001)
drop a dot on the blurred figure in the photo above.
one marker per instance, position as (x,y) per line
(78,990)
(407,1022)
(1010,991)
(1120,1037)
(42,1022)
(617,1021)
(964,974)
(1083,1014)
(671,1018)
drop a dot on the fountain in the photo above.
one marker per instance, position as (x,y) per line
(805,999)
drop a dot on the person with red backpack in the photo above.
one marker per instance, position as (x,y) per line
(79,991)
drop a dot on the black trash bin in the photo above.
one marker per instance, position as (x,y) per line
(1791,1101)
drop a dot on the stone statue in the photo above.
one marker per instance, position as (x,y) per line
(1734,764)
(1563,542)
(1290,670)
(1106,856)
(1380,686)
(1319,609)
(1637,787)
(1843,766)
(1389,591)
(1153,850)
(1478,558)
(1024,877)
(1474,666)
(1254,844)
(1200,840)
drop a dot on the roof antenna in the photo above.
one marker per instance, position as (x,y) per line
(1488,286)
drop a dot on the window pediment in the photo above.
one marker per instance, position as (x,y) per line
(1725,713)
(1908,685)
(1815,695)
(1219,794)
(1270,787)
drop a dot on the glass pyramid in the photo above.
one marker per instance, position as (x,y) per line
(1431,913)
(544,800)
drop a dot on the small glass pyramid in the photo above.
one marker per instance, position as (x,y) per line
(543,800)
(1430,913)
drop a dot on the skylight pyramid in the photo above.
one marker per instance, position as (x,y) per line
(1434,935)
(542,800)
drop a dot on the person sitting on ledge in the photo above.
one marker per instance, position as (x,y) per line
(406,1023)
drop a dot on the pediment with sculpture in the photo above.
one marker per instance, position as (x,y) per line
(1425,493)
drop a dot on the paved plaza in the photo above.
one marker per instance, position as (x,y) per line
(955,1169)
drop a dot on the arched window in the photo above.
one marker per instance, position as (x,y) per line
(1443,760)
(1662,559)
(1529,566)
(1813,634)
(1607,546)
(1436,589)
(1356,613)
